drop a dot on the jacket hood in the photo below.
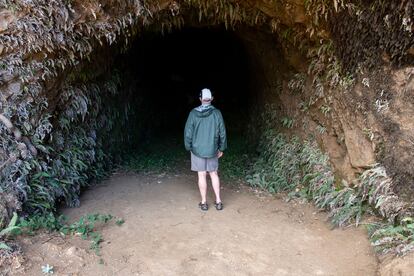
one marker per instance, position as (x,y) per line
(204,110)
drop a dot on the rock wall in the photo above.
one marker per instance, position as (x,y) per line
(355,101)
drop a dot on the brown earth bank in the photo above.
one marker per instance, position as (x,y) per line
(166,234)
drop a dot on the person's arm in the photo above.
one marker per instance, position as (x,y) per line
(222,136)
(188,133)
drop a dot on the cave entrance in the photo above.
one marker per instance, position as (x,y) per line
(170,71)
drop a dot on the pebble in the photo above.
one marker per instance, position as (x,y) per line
(217,253)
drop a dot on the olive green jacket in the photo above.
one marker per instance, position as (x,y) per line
(205,133)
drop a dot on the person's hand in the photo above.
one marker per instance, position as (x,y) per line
(219,154)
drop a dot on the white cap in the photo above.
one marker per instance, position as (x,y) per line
(206,94)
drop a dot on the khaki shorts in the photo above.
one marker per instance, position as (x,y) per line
(200,164)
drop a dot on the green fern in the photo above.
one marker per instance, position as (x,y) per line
(9,230)
(11,227)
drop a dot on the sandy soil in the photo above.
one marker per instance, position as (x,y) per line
(166,234)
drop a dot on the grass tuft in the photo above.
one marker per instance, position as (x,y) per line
(86,226)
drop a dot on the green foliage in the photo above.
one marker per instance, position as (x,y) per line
(11,228)
(287,122)
(377,188)
(229,13)
(297,83)
(346,206)
(49,222)
(369,26)
(270,172)
(96,239)
(85,226)
(69,132)
(4,246)
(167,155)
(393,238)
(325,109)
(319,10)
(326,68)
(236,159)
(159,156)
(80,147)
(303,170)
(321,129)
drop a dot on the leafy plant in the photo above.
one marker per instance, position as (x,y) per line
(393,238)
(85,226)
(287,122)
(303,170)
(320,10)
(369,134)
(235,162)
(325,109)
(119,222)
(321,129)
(10,229)
(297,83)
(162,155)
(36,222)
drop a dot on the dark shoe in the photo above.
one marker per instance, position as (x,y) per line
(219,206)
(203,206)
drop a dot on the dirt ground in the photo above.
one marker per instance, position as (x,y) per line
(166,234)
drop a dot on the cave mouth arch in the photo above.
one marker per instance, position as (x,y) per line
(121,100)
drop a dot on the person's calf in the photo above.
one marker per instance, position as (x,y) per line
(215,181)
(202,185)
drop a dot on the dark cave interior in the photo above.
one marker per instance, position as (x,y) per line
(172,69)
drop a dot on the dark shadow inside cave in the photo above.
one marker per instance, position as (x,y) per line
(170,70)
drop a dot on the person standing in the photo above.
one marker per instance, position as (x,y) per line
(205,137)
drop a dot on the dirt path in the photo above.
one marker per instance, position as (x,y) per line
(166,234)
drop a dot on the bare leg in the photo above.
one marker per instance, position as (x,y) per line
(215,181)
(202,185)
